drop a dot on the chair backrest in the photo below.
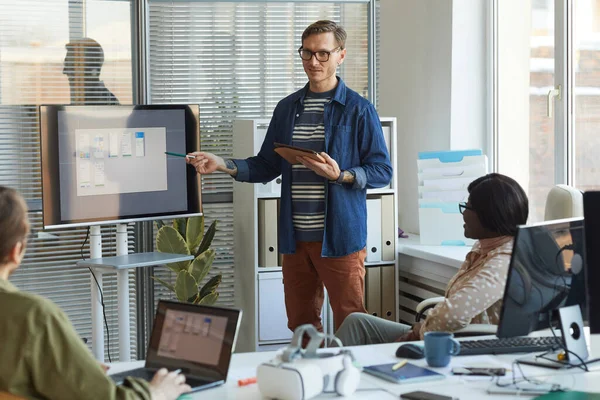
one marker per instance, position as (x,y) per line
(563,201)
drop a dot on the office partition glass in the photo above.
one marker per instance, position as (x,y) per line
(60,52)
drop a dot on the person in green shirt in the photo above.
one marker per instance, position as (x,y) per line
(41,355)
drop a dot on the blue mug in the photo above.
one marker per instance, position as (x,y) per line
(439,348)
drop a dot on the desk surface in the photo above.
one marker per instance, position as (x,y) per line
(448,255)
(244,365)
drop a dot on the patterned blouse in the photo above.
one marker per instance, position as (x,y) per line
(474,294)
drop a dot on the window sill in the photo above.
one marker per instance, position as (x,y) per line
(453,256)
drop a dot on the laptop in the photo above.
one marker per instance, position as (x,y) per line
(197,339)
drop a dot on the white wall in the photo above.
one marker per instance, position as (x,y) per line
(469,94)
(514,24)
(433,70)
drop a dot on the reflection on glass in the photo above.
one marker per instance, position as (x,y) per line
(82,66)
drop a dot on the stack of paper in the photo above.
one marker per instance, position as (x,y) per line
(443,180)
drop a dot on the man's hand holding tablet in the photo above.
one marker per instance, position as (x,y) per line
(291,153)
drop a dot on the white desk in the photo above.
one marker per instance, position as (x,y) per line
(244,365)
(424,271)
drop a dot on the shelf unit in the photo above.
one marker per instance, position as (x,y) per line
(258,277)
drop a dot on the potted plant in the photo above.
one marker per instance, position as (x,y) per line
(186,236)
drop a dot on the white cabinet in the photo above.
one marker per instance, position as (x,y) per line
(272,320)
(258,277)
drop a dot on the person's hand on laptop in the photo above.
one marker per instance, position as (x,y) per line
(168,385)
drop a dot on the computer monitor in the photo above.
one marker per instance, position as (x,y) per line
(107,164)
(546,272)
(591,213)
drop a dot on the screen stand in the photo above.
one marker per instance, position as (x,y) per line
(571,326)
(123,295)
(97,321)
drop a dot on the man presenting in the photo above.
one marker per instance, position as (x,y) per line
(323,223)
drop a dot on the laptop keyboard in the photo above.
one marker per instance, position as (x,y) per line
(509,345)
(148,374)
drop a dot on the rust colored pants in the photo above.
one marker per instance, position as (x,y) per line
(304,274)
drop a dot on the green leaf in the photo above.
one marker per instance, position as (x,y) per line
(159,223)
(210,286)
(194,232)
(209,299)
(194,299)
(168,240)
(207,239)
(180,224)
(201,265)
(185,286)
(165,284)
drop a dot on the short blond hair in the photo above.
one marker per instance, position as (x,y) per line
(324,26)
(14,225)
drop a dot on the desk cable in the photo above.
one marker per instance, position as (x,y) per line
(87,235)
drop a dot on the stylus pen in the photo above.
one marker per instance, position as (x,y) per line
(179,154)
(177,371)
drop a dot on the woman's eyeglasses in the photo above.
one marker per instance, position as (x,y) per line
(463,206)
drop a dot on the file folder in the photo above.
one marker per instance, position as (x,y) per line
(373,291)
(387,136)
(388,231)
(267,233)
(451,158)
(388,293)
(279,255)
(374,230)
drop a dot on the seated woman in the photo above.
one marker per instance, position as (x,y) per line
(42,355)
(496,205)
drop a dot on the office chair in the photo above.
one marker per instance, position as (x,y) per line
(469,330)
(563,201)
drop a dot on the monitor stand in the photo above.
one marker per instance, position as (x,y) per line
(571,326)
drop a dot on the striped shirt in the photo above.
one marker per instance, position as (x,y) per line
(308,188)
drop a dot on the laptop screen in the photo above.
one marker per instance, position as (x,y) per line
(198,339)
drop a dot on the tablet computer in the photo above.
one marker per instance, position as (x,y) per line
(289,153)
(409,373)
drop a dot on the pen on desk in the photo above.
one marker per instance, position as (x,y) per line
(179,154)
(247,381)
(399,365)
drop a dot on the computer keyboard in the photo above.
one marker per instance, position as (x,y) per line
(509,345)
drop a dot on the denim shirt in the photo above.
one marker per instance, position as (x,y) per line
(354,139)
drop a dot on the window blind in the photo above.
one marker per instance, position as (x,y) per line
(37,67)
(237,60)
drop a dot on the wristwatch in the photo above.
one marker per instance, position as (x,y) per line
(339,180)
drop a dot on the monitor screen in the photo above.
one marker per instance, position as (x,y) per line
(591,212)
(107,164)
(546,272)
